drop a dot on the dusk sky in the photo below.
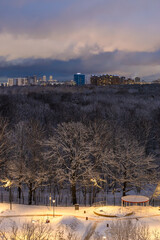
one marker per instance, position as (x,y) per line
(62,37)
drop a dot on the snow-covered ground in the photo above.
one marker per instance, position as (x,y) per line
(113,211)
(75,222)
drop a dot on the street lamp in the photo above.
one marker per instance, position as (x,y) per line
(33,221)
(10,197)
(53,207)
(50,199)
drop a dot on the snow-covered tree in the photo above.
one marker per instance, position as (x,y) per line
(126,163)
(5,146)
(69,153)
(27,165)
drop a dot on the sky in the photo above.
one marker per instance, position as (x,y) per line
(62,37)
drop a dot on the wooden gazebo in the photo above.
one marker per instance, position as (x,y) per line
(134,200)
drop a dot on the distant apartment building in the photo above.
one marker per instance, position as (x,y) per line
(44,78)
(50,78)
(52,81)
(79,79)
(70,83)
(32,80)
(17,81)
(22,81)
(12,82)
(88,79)
(106,79)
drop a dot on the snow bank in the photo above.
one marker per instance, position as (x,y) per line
(70,227)
(72,222)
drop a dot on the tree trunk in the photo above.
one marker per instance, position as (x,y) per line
(30,194)
(34,196)
(19,192)
(90,196)
(73,191)
(22,196)
(93,194)
(124,183)
(124,188)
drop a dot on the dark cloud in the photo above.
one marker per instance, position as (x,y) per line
(117,62)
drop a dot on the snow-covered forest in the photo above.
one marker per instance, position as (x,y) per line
(77,144)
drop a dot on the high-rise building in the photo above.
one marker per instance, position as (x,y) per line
(79,79)
(32,80)
(12,82)
(88,79)
(51,78)
(44,78)
(106,79)
(22,81)
(17,81)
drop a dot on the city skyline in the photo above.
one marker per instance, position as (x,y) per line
(93,37)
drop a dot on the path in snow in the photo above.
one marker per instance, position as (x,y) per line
(91,231)
(90,218)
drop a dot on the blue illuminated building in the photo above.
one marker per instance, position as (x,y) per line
(79,79)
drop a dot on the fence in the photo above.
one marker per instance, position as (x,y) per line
(64,199)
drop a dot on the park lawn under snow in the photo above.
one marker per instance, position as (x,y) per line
(74,221)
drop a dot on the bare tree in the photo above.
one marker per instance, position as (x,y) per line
(127,230)
(29,231)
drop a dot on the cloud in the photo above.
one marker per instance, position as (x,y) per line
(119,36)
(123,25)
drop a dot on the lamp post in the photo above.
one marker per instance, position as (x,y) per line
(53,207)
(10,197)
(50,198)
(33,221)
